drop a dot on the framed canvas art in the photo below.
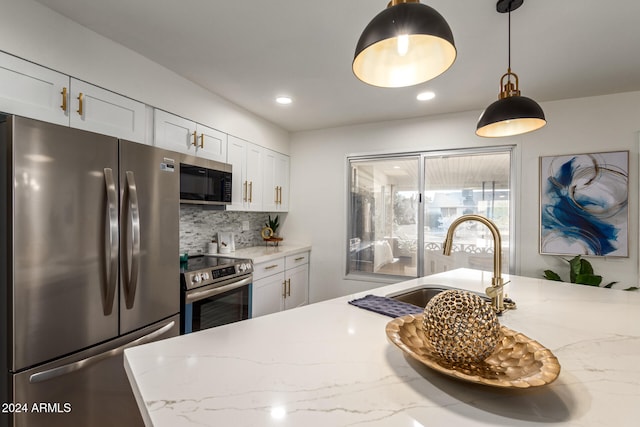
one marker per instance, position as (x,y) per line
(583,204)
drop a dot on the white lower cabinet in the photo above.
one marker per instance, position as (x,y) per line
(280,284)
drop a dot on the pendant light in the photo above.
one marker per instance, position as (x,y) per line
(511,114)
(405,44)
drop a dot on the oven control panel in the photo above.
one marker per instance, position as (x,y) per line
(195,279)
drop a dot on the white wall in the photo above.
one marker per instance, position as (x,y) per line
(318,172)
(34,32)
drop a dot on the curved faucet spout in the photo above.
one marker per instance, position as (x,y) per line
(496,291)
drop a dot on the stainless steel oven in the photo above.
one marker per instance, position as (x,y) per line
(215,291)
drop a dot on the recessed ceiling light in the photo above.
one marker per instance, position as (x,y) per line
(284,100)
(425,96)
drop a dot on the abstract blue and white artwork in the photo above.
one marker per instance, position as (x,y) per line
(583,204)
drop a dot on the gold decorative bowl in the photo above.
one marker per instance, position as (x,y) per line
(517,361)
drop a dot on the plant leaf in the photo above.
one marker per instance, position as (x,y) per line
(588,279)
(632,288)
(585,267)
(550,275)
(609,285)
(574,268)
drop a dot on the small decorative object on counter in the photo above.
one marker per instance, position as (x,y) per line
(212,247)
(184,259)
(225,242)
(461,326)
(273,224)
(268,233)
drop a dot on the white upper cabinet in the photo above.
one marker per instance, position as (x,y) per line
(254,177)
(99,110)
(185,136)
(29,90)
(276,181)
(212,144)
(246,190)
(174,132)
(237,157)
(260,177)
(33,91)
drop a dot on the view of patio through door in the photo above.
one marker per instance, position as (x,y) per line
(400,208)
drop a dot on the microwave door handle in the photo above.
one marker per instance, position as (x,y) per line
(111,258)
(193,296)
(39,377)
(131,276)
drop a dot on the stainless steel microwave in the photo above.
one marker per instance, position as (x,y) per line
(205,182)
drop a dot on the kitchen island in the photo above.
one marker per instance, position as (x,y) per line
(331,364)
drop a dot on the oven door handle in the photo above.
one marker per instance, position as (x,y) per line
(197,295)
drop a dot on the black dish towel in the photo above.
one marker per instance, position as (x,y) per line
(387,306)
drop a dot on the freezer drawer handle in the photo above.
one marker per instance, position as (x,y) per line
(131,271)
(111,275)
(89,361)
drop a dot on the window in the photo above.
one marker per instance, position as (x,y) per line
(383,229)
(401,206)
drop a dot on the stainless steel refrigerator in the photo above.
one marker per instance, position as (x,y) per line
(89,266)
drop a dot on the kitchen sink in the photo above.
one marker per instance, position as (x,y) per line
(421,296)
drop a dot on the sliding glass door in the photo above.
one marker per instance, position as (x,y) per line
(384,216)
(466,183)
(401,206)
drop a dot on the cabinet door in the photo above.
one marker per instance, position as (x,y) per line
(254,177)
(101,111)
(237,157)
(212,144)
(29,90)
(282,181)
(267,295)
(297,284)
(174,132)
(271,194)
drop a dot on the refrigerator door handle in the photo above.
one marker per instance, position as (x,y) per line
(39,377)
(131,274)
(111,274)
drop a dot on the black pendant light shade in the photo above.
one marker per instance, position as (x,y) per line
(405,44)
(511,114)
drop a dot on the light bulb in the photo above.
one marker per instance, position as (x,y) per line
(403,44)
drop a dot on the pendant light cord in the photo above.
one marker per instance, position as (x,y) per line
(509,45)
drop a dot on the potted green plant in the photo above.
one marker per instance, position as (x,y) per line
(273,224)
(581,272)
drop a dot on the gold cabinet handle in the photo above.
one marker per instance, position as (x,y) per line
(276,197)
(202,140)
(271,266)
(300,258)
(64,99)
(250,191)
(288,287)
(195,141)
(284,289)
(245,193)
(280,195)
(80,101)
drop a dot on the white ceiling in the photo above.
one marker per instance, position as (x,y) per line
(250,51)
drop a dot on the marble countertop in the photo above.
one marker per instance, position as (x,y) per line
(266,253)
(331,364)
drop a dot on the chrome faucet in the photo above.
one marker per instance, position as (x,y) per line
(496,290)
